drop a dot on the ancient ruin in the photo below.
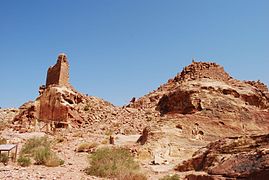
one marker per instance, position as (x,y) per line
(59,73)
(57,98)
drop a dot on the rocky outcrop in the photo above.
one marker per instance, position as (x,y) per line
(235,157)
(28,112)
(208,94)
(204,93)
(60,105)
(199,70)
(57,103)
(6,117)
(144,137)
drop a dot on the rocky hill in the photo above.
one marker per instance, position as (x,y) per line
(204,93)
(201,104)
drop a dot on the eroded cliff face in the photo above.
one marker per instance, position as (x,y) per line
(57,103)
(208,94)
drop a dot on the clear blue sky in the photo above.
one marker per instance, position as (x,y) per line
(118,49)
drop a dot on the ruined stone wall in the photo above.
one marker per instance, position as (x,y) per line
(59,73)
(198,70)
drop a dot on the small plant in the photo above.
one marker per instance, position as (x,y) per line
(132,176)
(3,141)
(34,143)
(104,141)
(113,163)
(86,147)
(53,161)
(24,161)
(3,125)
(78,134)
(4,158)
(41,154)
(87,108)
(170,177)
(109,132)
(39,149)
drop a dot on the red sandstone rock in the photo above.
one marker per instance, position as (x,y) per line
(237,157)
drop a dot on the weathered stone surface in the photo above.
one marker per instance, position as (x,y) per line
(206,177)
(27,113)
(57,104)
(236,157)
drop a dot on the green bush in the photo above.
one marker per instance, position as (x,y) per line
(168,177)
(113,163)
(24,161)
(41,154)
(4,158)
(40,150)
(34,143)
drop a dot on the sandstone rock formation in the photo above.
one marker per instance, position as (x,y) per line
(60,105)
(205,92)
(55,101)
(234,157)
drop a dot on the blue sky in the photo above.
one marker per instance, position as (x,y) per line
(119,49)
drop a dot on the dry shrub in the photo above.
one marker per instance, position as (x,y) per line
(53,161)
(104,141)
(40,150)
(4,158)
(3,141)
(170,177)
(3,125)
(24,161)
(132,176)
(114,163)
(34,143)
(41,155)
(78,134)
(86,147)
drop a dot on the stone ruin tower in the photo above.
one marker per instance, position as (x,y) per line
(57,98)
(59,73)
